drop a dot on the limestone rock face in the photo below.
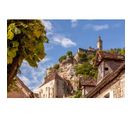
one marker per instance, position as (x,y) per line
(67,72)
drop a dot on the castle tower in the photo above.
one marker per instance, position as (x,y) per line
(99,43)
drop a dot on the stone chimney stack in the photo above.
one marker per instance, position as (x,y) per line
(99,43)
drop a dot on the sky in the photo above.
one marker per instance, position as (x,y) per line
(67,35)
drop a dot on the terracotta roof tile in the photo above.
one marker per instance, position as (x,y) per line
(88,82)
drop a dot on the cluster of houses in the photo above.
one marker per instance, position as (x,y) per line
(110,82)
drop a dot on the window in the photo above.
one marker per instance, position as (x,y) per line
(106,69)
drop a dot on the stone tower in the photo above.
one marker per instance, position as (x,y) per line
(99,43)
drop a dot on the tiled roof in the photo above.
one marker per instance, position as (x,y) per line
(101,55)
(88,82)
(22,91)
(23,85)
(53,75)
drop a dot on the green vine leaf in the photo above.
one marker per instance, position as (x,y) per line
(10,35)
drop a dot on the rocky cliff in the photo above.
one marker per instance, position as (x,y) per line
(66,68)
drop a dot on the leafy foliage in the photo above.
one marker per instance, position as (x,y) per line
(25,40)
(78,94)
(62,58)
(86,70)
(85,67)
(120,51)
(29,36)
(82,57)
(69,53)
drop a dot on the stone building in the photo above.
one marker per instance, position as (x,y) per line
(54,87)
(87,85)
(111,77)
(20,90)
(88,51)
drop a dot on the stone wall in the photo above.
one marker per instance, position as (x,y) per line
(119,88)
(115,89)
(56,88)
(47,90)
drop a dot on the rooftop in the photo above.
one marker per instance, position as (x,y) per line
(88,82)
(101,55)
(107,79)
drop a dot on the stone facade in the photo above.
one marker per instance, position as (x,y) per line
(47,90)
(116,90)
(107,67)
(118,87)
(111,77)
(54,87)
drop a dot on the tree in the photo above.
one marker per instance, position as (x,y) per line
(86,70)
(25,41)
(62,58)
(120,51)
(69,53)
(83,57)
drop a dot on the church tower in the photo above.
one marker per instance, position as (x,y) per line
(99,43)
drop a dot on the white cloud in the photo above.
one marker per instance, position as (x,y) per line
(101,27)
(97,27)
(58,38)
(33,77)
(63,41)
(49,27)
(74,23)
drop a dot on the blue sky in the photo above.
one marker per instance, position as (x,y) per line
(67,35)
